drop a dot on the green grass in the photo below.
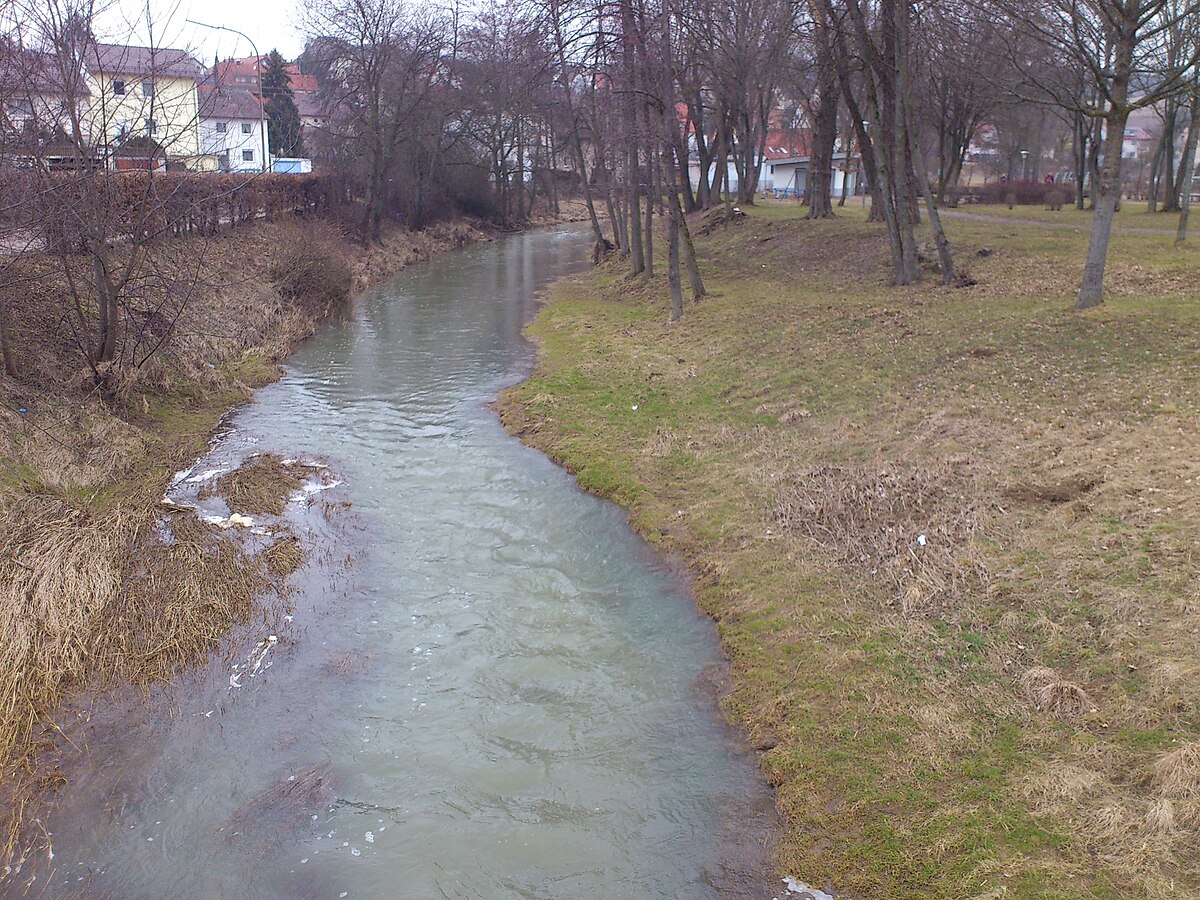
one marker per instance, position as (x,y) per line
(910,757)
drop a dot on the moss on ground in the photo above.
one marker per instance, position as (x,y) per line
(988,712)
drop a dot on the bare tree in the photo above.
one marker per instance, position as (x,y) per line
(1125,48)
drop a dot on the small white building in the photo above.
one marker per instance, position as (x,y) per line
(234,134)
(788,176)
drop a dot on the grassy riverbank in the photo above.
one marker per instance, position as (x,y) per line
(949,537)
(87,599)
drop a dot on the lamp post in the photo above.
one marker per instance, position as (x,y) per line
(262,116)
(862,163)
(1024,155)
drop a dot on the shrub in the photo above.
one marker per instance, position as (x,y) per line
(307,267)
(1017,193)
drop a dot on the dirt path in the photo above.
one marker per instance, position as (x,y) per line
(1005,220)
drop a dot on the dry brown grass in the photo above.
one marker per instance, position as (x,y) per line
(1050,693)
(911,529)
(1177,775)
(261,485)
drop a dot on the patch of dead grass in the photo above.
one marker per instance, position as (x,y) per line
(1177,774)
(1052,694)
(913,529)
(260,485)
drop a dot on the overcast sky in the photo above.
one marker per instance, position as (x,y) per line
(269,23)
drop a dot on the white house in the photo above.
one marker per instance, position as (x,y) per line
(234,134)
(788,176)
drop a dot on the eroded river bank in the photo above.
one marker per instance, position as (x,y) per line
(483,685)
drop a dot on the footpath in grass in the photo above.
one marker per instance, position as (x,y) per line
(950,538)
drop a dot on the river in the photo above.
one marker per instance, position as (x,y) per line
(486,685)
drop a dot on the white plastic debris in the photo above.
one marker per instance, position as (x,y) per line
(369,837)
(795,886)
(921,539)
(206,475)
(234,519)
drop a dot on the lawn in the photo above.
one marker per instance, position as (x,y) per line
(949,537)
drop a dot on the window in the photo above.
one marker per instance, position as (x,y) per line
(119,86)
(151,126)
(247,156)
(147,88)
(221,126)
(246,128)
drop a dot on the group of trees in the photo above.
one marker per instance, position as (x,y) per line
(646,109)
(656,108)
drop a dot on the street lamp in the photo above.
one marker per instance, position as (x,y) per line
(262,118)
(862,163)
(1024,154)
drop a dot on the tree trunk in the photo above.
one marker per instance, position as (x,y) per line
(945,257)
(1170,201)
(6,353)
(1094,161)
(1187,168)
(1152,186)
(648,230)
(1079,157)
(673,217)
(580,161)
(689,258)
(824,133)
(910,270)
(1106,194)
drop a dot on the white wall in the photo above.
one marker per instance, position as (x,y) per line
(785,177)
(235,141)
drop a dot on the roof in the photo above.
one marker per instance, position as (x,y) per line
(797,160)
(788,144)
(302,83)
(118,59)
(221,103)
(244,72)
(310,106)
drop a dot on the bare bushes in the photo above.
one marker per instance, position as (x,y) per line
(912,530)
(308,267)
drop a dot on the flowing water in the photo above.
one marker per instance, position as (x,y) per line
(498,697)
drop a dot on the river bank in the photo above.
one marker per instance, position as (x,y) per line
(947,536)
(88,599)
(482,682)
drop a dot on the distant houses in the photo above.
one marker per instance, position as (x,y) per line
(141,108)
(784,166)
(234,133)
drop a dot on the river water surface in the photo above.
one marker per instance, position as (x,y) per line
(497,698)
